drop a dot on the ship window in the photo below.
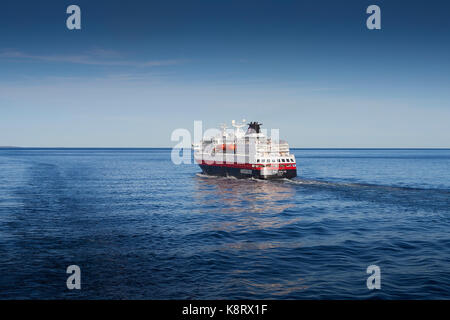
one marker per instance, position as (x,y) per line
(278,160)
(257,160)
(263,160)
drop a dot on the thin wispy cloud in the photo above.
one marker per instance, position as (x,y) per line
(98,57)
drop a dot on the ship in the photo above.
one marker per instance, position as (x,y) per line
(249,154)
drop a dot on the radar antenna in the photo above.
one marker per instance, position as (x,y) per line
(234,124)
(223,126)
(238,132)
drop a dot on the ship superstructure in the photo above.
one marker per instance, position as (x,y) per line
(245,154)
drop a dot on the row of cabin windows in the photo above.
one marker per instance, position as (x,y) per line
(269,165)
(273,160)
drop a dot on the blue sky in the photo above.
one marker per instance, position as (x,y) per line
(140,69)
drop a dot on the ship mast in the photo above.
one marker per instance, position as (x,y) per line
(238,133)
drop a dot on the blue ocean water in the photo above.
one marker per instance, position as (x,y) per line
(141,227)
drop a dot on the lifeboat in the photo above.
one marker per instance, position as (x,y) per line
(225,147)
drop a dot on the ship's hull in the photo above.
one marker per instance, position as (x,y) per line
(240,173)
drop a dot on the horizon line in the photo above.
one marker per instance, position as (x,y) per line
(292,148)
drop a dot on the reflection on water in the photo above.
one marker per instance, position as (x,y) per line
(244,195)
(245,205)
(249,219)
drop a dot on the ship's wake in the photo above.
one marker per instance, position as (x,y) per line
(356,185)
(325,184)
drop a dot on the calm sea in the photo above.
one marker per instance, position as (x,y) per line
(140,227)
